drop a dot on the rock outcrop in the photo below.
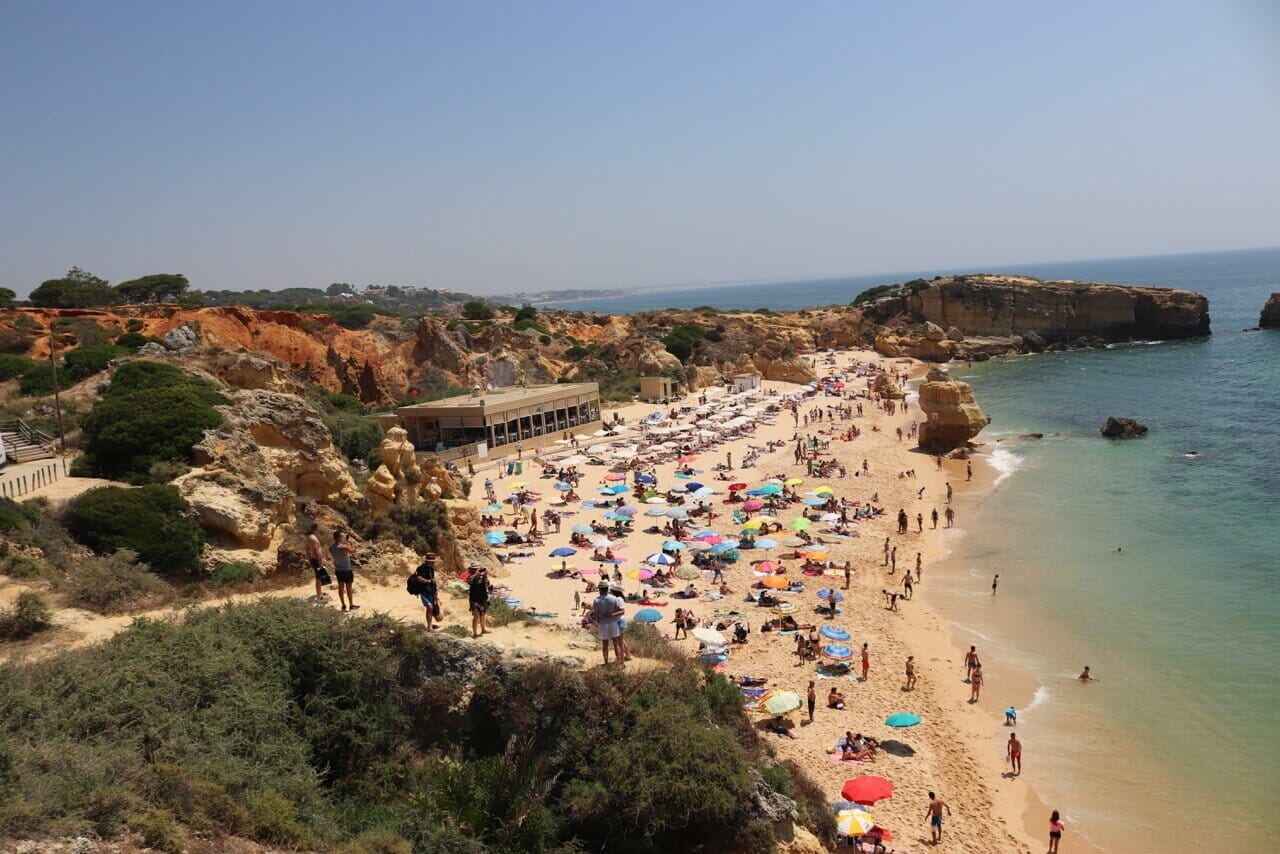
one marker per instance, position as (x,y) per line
(1122,428)
(1270,318)
(272,450)
(951,414)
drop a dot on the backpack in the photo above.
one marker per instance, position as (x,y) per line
(415,585)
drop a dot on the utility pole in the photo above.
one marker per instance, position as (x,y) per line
(57,402)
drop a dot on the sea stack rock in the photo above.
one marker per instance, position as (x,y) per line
(1123,428)
(1270,318)
(952,415)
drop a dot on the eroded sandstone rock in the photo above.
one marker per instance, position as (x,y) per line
(952,415)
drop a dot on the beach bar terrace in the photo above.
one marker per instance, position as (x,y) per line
(498,420)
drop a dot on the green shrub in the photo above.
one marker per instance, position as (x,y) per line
(131,340)
(476,310)
(682,339)
(110,583)
(529,323)
(354,435)
(377,842)
(274,819)
(233,572)
(89,359)
(353,316)
(15,518)
(502,614)
(13,365)
(30,615)
(37,380)
(150,413)
(874,293)
(528,312)
(457,631)
(544,340)
(153,520)
(22,566)
(159,831)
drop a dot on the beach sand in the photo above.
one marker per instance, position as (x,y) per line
(958,749)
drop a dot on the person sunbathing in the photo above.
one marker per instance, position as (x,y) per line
(835,700)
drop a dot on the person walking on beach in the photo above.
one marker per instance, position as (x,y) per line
(340,551)
(911,674)
(478,590)
(995,582)
(831,604)
(907,590)
(1055,831)
(893,559)
(934,816)
(970,662)
(934,517)
(948,492)
(951,517)
(866,662)
(886,552)
(968,470)
(848,573)
(813,700)
(428,594)
(1015,754)
(917,567)
(919,523)
(902,520)
(316,559)
(603,610)
(975,682)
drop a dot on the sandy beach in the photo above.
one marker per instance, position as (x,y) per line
(957,750)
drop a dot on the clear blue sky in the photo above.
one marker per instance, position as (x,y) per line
(493,146)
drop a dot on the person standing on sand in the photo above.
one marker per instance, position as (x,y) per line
(478,590)
(995,582)
(934,517)
(848,573)
(902,520)
(919,523)
(951,517)
(1055,831)
(907,590)
(813,700)
(316,558)
(886,552)
(911,674)
(968,470)
(948,492)
(602,609)
(340,551)
(1015,754)
(975,682)
(970,662)
(934,816)
(831,604)
(917,567)
(866,662)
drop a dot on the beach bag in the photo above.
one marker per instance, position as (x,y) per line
(415,585)
(323,575)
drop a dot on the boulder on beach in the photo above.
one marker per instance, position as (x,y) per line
(952,415)
(1123,428)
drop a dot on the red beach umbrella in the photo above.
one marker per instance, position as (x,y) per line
(867,789)
(735,487)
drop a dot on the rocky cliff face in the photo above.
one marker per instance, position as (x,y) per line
(951,414)
(1270,318)
(984,306)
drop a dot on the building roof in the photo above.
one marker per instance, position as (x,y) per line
(503,398)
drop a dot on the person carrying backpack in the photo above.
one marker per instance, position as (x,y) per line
(422,583)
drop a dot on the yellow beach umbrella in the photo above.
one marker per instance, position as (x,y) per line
(519,484)
(824,490)
(854,822)
(752,524)
(781,702)
(794,481)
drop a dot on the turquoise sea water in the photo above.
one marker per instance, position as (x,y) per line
(1183,625)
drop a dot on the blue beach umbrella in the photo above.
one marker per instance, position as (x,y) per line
(677,513)
(648,615)
(646,478)
(563,551)
(815,502)
(754,492)
(656,511)
(580,528)
(837,652)
(693,486)
(902,719)
(766,543)
(721,548)
(619,489)
(673,546)
(627,510)
(824,592)
(832,633)
(495,538)
(659,559)
(769,489)
(561,486)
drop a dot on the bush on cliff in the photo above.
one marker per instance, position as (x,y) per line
(150,413)
(90,359)
(300,727)
(153,520)
(13,365)
(681,340)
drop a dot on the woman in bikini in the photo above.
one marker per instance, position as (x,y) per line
(975,682)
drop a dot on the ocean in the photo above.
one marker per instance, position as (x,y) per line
(1182,626)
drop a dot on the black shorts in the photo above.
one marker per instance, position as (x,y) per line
(315,564)
(480,606)
(345,577)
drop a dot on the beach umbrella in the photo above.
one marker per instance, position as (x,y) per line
(709,636)
(737,487)
(793,481)
(619,489)
(708,536)
(694,486)
(775,582)
(673,546)
(832,633)
(640,574)
(688,573)
(867,789)
(769,489)
(678,513)
(767,566)
(519,484)
(615,517)
(627,510)
(575,460)
(581,528)
(752,504)
(800,523)
(601,543)
(563,551)
(827,591)
(703,492)
(766,543)
(824,490)
(837,652)
(698,546)
(655,499)
(655,512)
(646,478)
(901,720)
(648,615)
(814,502)
(816,554)
(779,703)
(561,486)
(752,524)
(615,476)
(792,541)
(495,538)
(784,607)
(659,559)
(721,548)
(854,823)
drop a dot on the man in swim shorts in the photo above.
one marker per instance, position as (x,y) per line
(934,814)
(1015,753)
(603,610)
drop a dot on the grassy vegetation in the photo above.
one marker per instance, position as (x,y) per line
(299,727)
(154,521)
(29,616)
(681,340)
(13,365)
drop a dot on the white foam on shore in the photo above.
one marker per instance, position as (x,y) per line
(1041,695)
(1005,462)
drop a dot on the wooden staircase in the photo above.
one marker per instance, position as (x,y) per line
(23,444)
